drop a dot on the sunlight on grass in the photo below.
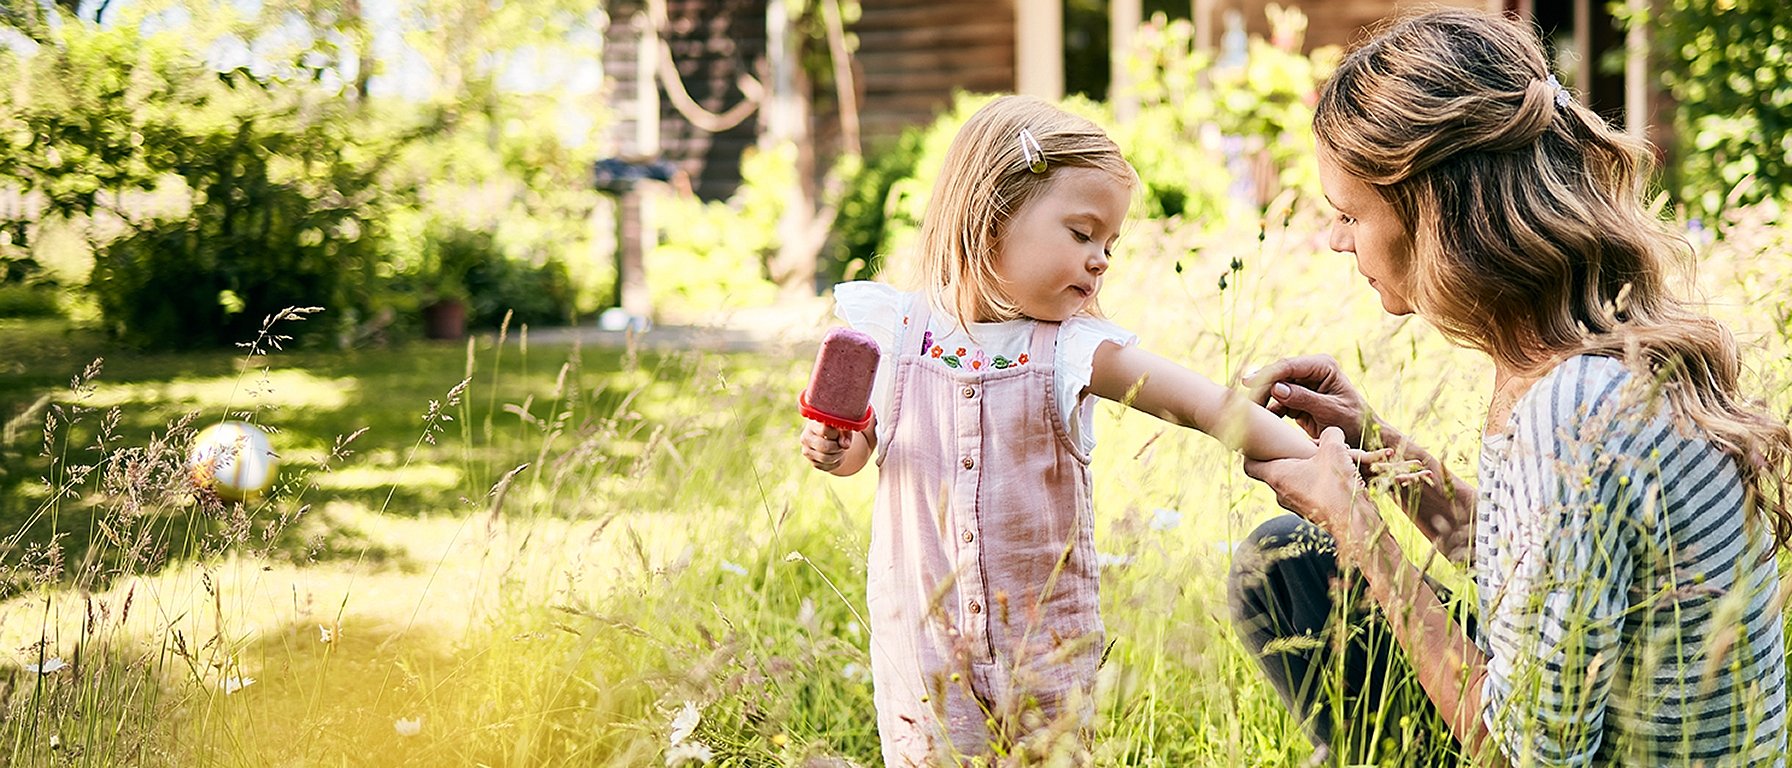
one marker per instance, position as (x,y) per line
(417,476)
(287,388)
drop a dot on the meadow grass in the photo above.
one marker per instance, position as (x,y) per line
(514,554)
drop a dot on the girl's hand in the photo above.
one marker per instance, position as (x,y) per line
(824,446)
(1313,391)
(1322,489)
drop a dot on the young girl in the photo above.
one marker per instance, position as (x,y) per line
(985,624)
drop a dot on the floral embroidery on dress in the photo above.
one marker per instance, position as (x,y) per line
(962,357)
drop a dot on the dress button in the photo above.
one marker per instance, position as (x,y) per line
(969,393)
(969,462)
(968,537)
(976,607)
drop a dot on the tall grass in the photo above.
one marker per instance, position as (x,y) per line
(630,564)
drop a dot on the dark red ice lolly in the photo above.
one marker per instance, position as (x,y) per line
(839,393)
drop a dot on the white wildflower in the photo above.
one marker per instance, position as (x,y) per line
(49,666)
(325,634)
(684,724)
(855,671)
(734,568)
(408,726)
(233,684)
(1165,519)
(794,557)
(805,615)
(1108,560)
(689,752)
(55,741)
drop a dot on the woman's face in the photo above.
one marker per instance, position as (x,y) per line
(1366,225)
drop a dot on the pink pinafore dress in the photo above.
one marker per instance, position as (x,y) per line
(983,579)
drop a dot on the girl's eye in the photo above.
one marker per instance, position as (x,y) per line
(1080,237)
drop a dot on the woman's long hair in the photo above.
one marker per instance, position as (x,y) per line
(1531,240)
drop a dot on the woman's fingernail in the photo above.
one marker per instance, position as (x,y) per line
(1280,390)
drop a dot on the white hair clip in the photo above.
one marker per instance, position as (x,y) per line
(1032,152)
(1561,93)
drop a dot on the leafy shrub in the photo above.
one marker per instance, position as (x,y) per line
(1729,66)
(712,255)
(858,229)
(538,295)
(263,233)
(281,206)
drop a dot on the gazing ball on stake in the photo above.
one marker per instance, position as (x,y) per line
(233,459)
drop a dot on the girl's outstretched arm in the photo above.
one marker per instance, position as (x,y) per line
(1131,376)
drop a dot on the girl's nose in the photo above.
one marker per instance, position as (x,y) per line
(1098,263)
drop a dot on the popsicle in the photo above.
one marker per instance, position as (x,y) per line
(839,392)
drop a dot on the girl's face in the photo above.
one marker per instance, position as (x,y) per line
(1367,225)
(1052,256)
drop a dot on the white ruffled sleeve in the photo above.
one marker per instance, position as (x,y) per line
(1078,338)
(877,310)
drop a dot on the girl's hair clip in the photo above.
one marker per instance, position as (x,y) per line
(1032,152)
(1561,93)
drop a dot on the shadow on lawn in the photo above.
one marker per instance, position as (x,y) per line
(350,428)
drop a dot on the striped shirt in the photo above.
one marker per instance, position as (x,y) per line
(1629,612)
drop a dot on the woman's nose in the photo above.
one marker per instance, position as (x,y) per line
(1340,239)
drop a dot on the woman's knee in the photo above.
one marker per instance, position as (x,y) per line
(1285,550)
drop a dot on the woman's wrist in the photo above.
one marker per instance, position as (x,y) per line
(1359,527)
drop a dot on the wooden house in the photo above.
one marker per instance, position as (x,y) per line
(714,95)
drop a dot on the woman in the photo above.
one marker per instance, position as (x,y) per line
(1622,538)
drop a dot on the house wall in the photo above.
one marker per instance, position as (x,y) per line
(913,54)
(713,43)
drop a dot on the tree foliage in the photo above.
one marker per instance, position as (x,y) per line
(1728,64)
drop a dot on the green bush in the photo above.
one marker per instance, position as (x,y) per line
(712,255)
(281,206)
(854,248)
(538,295)
(278,219)
(1729,67)
(18,300)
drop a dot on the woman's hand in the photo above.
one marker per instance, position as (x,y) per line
(1313,391)
(824,446)
(1322,489)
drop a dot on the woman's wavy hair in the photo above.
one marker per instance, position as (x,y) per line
(1531,240)
(986,179)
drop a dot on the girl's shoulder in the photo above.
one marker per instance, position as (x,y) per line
(1081,335)
(877,309)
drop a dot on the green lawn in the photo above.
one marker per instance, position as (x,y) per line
(662,544)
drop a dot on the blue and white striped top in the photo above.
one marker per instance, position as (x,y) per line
(1629,610)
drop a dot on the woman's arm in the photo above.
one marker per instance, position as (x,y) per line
(1314,391)
(1134,377)
(1327,490)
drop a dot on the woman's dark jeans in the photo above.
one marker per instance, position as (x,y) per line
(1326,651)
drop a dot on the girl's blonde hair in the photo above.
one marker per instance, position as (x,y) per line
(1530,237)
(987,177)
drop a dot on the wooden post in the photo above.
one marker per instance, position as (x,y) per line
(1203,11)
(634,211)
(1039,48)
(1636,73)
(1124,18)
